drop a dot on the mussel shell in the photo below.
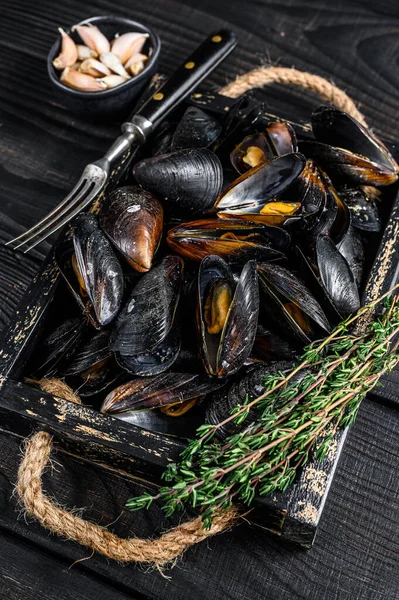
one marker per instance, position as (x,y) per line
(155,361)
(64,251)
(132,219)
(99,267)
(225,353)
(149,313)
(336,277)
(196,129)
(189,180)
(336,128)
(310,189)
(147,393)
(364,211)
(197,239)
(261,183)
(344,166)
(107,377)
(351,248)
(253,150)
(95,350)
(245,387)
(60,346)
(278,285)
(282,137)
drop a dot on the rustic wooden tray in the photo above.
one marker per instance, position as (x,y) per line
(143,454)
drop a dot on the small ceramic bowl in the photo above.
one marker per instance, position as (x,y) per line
(117,101)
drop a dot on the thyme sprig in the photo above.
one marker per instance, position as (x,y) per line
(295,418)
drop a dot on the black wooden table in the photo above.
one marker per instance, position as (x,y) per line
(42,150)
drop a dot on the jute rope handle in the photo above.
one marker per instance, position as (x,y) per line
(39,447)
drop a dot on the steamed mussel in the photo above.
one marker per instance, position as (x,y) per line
(235,242)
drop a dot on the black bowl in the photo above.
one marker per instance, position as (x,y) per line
(117,101)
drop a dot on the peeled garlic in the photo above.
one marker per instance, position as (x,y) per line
(69,52)
(81,81)
(136,67)
(85,52)
(128,44)
(113,80)
(92,37)
(94,67)
(113,62)
(135,59)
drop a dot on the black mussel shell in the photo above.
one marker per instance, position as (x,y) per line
(65,257)
(252,151)
(59,347)
(345,167)
(336,128)
(196,129)
(332,214)
(336,277)
(261,183)
(99,267)
(100,379)
(149,313)
(282,137)
(246,387)
(364,211)
(92,352)
(155,361)
(132,219)
(166,389)
(351,248)
(189,180)
(235,240)
(288,303)
(226,349)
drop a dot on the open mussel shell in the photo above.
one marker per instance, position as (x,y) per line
(277,139)
(196,129)
(149,313)
(245,387)
(261,183)
(336,128)
(344,166)
(235,240)
(166,389)
(288,304)
(332,218)
(274,213)
(59,347)
(336,277)
(65,259)
(155,361)
(132,219)
(227,315)
(364,211)
(189,180)
(310,189)
(99,267)
(351,248)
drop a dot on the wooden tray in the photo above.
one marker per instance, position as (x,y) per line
(143,454)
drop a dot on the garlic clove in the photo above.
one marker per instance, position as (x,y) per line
(85,52)
(128,44)
(69,52)
(113,80)
(113,62)
(94,67)
(136,67)
(138,57)
(93,38)
(81,81)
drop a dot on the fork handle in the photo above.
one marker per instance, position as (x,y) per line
(188,76)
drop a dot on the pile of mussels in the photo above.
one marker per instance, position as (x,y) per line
(234,245)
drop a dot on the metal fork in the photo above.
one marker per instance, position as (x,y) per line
(99,174)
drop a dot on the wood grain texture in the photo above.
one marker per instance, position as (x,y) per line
(42,150)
